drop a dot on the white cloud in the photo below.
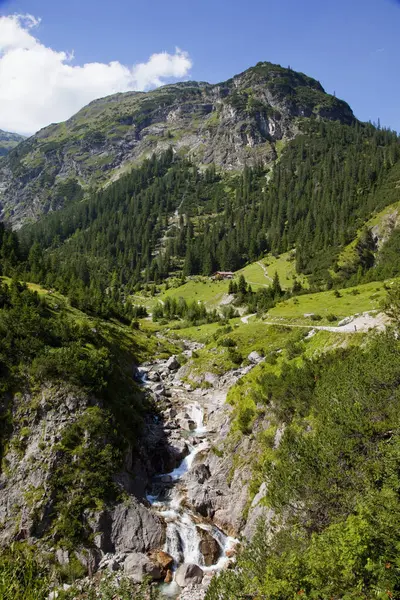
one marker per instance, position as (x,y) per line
(39,85)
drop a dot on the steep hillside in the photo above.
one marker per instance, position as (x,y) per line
(244,120)
(8,141)
(166,218)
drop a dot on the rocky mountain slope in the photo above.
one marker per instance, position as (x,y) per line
(245,120)
(8,141)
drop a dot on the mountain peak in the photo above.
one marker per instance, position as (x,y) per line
(230,124)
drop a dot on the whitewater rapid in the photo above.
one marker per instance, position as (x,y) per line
(183,536)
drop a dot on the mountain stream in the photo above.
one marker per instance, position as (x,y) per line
(184,526)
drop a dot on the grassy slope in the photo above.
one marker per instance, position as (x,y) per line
(324,303)
(200,289)
(204,289)
(284,265)
(142,344)
(348,254)
(265,338)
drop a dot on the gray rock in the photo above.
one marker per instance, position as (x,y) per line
(158,388)
(138,566)
(172,363)
(135,528)
(345,321)
(187,424)
(188,574)
(211,378)
(193,592)
(62,556)
(153,376)
(199,473)
(254,357)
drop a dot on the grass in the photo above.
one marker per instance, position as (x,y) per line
(245,394)
(359,299)
(201,289)
(284,265)
(204,289)
(125,341)
(254,336)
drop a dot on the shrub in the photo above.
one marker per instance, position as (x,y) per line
(227,342)
(76,364)
(235,356)
(316,317)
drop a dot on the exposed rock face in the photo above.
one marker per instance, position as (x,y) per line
(30,459)
(231,124)
(129,528)
(188,574)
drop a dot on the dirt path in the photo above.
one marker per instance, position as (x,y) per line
(247,317)
(264,268)
(363,322)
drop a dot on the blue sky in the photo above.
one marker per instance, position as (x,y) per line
(351,46)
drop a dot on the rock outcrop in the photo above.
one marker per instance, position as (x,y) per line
(188,574)
(138,566)
(230,124)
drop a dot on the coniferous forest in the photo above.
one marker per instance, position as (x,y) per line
(167,217)
(104,343)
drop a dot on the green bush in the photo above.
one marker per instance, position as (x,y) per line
(333,482)
(316,317)
(235,356)
(84,366)
(23,574)
(226,342)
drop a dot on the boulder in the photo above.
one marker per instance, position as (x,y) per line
(138,566)
(187,424)
(158,389)
(172,363)
(188,574)
(162,559)
(345,321)
(135,528)
(254,357)
(153,376)
(177,451)
(208,547)
(169,576)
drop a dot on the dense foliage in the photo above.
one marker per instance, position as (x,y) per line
(166,216)
(39,345)
(333,482)
(194,312)
(27,575)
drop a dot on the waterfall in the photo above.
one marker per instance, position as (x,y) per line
(187,462)
(183,538)
(183,541)
(196,413)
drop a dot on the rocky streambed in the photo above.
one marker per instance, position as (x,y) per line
(186,494)
(201,511)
